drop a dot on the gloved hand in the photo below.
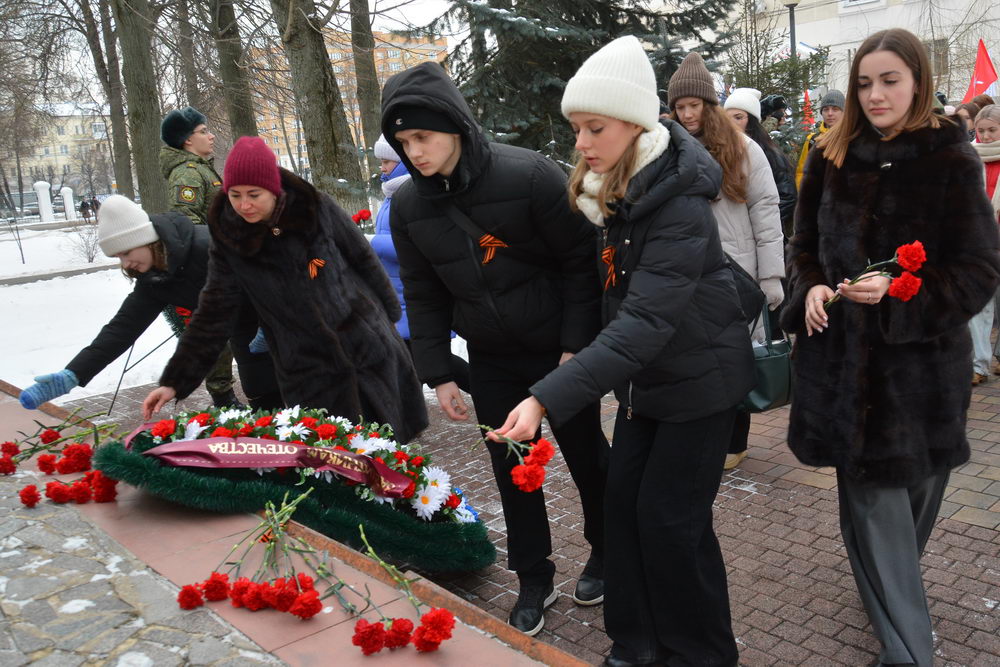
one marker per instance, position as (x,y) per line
(772,292)
(48,387)
(259,344)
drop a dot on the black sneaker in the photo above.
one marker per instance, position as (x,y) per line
(589,590)
(528,614)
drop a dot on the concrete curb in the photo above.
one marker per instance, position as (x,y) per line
(65,273)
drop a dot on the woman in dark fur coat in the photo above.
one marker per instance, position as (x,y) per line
(881,384)
(325,304)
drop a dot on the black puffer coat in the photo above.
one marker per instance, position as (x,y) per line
(187,265)
(883,392)
(784,180)
(675,345)
(540,293)
(330,330)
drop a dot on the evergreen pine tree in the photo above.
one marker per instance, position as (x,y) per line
(515,61)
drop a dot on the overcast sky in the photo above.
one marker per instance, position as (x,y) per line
(415,12)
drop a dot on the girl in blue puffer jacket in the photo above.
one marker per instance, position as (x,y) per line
(394,174)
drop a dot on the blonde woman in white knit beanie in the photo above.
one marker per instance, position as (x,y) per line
(167,257)
(676,350)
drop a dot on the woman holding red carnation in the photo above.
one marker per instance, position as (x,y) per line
(882,384)
(324,302)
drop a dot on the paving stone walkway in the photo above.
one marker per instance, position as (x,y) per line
(793,597)
(70,595)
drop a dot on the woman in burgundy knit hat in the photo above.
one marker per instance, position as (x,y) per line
(325,304)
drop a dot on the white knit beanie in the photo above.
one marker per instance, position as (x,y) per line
(616,81)
(747,99)
(383,151)
(122,225)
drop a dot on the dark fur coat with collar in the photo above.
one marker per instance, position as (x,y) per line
(330,329)
(883,392)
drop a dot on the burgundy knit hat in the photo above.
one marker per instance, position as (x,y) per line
(251,162)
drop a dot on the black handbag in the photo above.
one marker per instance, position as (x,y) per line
(750,294)
(773,370)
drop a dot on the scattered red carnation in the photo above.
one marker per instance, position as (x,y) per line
(9,448)
(80,492)
(911,256)
(541,453)
(307,605)
(47,463)
(164,428)
(528,478)
(438,623)
(369,636)
(398,634)
(216,587)
(49,435)
(238,589)
(29,496)
(7,465)
(190,597)
(57,492)
(253,599)
(905,287)
(305,581)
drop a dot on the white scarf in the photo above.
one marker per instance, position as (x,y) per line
(389,187)
(988,152)
(652,144)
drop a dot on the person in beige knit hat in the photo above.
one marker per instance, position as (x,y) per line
(676,350)
(747,210)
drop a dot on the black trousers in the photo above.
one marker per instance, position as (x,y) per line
(741,432)
(499,383)
(666,597)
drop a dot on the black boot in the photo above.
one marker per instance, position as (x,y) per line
(271,401)
(227,399)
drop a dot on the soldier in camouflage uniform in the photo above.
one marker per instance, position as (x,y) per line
(186,163)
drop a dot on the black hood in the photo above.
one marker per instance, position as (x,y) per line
(695,173)
(176,232)
(427,85)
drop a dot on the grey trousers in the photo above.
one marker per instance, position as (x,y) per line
(885,530)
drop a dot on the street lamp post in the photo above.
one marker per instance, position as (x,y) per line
(791,4)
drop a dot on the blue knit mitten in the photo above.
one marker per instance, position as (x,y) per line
(48,387)
(259,344)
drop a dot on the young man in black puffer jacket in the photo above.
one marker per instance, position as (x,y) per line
(489,248)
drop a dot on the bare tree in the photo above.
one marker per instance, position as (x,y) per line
(239,100)
(369,94)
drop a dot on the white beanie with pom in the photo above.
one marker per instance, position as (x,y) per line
(383,151)
(122,225)
(746,99)
(616,81)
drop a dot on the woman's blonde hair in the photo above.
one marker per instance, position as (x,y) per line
(159,252)
(615,183)
(921,114)
(727,144)
(988,112)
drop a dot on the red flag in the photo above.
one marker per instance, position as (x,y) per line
(983,76)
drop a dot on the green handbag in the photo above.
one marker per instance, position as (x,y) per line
(773,369)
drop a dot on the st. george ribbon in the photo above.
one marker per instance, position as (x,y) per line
(222,452)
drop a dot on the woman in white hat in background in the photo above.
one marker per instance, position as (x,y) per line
(167,257)
(675,348)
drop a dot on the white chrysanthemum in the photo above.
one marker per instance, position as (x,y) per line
(227,415)
(192,430)
(368,446)
(426,501)
(286,432)
(438,478)
(285,417)
(343,425)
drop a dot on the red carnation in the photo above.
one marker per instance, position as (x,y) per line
(401,456)
(47,463)
(57,492)
(309,422)
(10,448)
(911,256)
(105,489)
(80,492)
(264,421)
(453,501)
(326,431)
(306,605)
(286,597)
(270,592)
(438,623)
(245,429)
(223,432)
(80,455)
(423,642)
(356,218)
(905,287)
(541,453)
(49,435)
(164,428)
(7,465)
(369,636)
(29,496)
(417,461)
(238,589)
(65,466)
(365,214)
(203,419)
(410,489)
(305,581)
(528,478)
(190,597)
(216,587)
(399,633)
(253,599)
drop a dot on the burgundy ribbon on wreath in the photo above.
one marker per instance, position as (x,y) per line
(222,452)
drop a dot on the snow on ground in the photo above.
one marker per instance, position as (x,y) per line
(46,323)
(44,251)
